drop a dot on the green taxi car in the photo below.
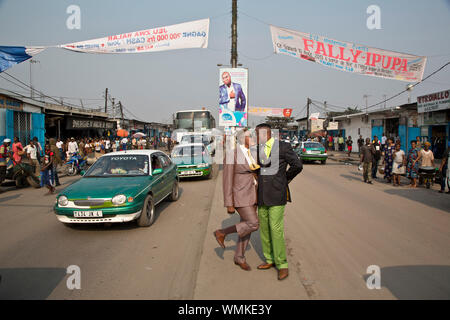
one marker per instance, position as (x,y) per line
(311,151)
(192,160)
(120,187)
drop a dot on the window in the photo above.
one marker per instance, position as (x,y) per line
(165,162)
(156,164)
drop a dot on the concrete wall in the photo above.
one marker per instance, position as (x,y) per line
(351,127)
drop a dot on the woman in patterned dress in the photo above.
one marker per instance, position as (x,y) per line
(412,167)
(388,160)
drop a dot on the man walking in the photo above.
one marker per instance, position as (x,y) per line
(31,151)
(377,156)
(273,193)
(367,156)
(360,144)
(4,156)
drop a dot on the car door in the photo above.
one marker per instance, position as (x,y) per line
(167,179)
(158,179)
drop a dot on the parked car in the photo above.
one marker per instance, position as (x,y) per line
(120,187)
(192,160)
(311,151)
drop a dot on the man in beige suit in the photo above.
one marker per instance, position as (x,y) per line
(239,193)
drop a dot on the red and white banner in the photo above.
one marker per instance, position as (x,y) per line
(271,112)
(347,56)
(192,34)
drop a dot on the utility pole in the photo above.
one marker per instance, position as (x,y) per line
(308,102)
(121,109)
(365,97)
(113,108)
(234,54)
(31,83)
(106,100)
(384,97)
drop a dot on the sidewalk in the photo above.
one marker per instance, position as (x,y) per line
(219,278)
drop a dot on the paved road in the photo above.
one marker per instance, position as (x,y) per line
(336,227)
(119,262)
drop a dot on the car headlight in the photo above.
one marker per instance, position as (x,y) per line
(119,199)
(202,165)
(63,201)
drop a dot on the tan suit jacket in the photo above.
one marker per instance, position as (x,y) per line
(239,189)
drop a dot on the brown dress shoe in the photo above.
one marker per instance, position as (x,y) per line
(283,273)
(264,266)
(244,265)
(220,237)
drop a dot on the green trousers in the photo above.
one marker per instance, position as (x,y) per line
(271,229)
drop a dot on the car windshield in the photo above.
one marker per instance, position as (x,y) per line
(195,139)
(313,145)
(186,151)
(119,165)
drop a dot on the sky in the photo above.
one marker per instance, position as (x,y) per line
(152,86)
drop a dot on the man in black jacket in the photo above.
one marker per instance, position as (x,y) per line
(273,193)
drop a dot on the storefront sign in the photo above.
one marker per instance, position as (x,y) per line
(10,104)
(347,56)
(434,102)
(74,124)
(333,126)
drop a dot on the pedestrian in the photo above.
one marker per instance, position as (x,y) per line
(134,143)
(383,142)
(377,156)
(418,143)
(57,161)
(426,156)
(388,159)
(124,143)
(60,146)
(360,144)
(444,169)
(72,147)
(18,151)
(239,194)
(46,170)
(5,154)
(349,143)
(341,142)
(398,167)
(39,148)
(273,194)
(32,151)
(412,166)
(366,159)
(107,145)
(169,144)
(81,148)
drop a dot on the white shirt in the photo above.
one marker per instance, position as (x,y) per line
(32,151)
(72,147)
(59,144)
(107,144)
(124,141)
(398,158)
(232,103)
(383,140)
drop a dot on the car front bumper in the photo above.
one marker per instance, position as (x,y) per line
(107,218)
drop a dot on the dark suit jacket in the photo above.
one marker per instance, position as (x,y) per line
(273,188)
(239,96)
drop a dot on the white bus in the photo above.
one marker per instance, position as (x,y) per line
(189,121)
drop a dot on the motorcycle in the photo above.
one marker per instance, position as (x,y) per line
(75,164)
(22,174)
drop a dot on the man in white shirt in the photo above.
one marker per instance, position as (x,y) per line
(32,151)
(72,147)
(383,142)
(124,143)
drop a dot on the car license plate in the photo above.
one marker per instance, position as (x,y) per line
(87,214)
(187,172)
(315,151)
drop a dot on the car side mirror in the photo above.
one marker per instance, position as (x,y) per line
(157,171)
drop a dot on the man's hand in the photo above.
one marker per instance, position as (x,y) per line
(231,209)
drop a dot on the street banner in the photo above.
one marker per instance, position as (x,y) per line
(333,125)
(233,98)
(192,34)
(347,56)
(314,116)
(434,102)
(270,112)
(10,56)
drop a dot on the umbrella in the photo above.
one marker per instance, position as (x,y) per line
(139,135)
(122,133)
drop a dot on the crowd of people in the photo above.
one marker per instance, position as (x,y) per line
(56,152)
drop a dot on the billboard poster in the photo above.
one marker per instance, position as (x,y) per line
(233,97)
(193,34)
(348,56)
(272,112)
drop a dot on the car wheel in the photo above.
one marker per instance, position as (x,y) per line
(147,216)
(175,191)
(33,181)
